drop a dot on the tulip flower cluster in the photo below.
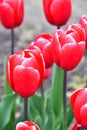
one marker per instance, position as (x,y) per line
(27,125)
(78,102)
(60,46)
(11,13)
(27,69)
(64,48)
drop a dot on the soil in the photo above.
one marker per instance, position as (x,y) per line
(35,23)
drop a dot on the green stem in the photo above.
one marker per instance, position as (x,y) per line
(57,89)
(59,93)
(25,108)
(42,91)
(64,100)
(12,41)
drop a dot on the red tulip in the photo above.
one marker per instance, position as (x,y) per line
(78,102)
(27,125)
(44,43)
(76,31)
(57,12)
(47,73)
(83,22)
(67,53)
(11,12)
(25,72)
(75,127)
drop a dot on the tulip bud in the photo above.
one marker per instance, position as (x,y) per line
(27,125)
(57,12)
(11,13)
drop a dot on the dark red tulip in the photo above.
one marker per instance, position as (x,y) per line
(43,42)
(25,72)
(67,53)
(78,102)
(27,125)
(11,13)
(83,22)
(57,12)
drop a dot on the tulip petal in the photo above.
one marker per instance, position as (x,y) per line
(47,54)
(19,12)
(60,12)
(26,80)
(10,65)
(7,15)
(29,123)
(73,97)
(22,126)
(41,65)
(71,55)
(81,99)
(46,6)
(83,115)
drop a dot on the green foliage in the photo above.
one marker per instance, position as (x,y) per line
(47,112)
(7,112)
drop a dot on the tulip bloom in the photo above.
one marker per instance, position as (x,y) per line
(83,22)
(76,31)
(27,125)
(25,72)
(78,102)
(67,53)
(44,43)
(57,12)
(11,13)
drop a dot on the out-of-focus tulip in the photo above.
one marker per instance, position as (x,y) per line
(75,127)
(11,13)
(44,43)
(25,72)
(57,12)
(27,125)
(67,53)
(78,102)
(47,73)
(83,22)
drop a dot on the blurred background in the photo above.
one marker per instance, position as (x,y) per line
(35,23)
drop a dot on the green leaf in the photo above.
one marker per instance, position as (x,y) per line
(57,89)
(7,88)
(69,114)
(6,108)
(58,121)
(37,102)
(36,109)
(49,116)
